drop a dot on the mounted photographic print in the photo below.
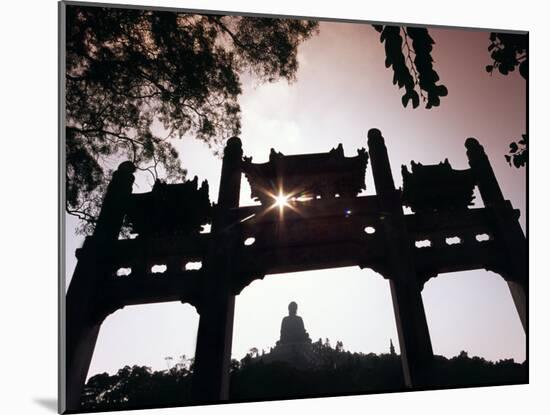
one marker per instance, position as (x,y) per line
(263,207)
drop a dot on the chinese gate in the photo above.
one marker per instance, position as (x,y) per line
(310,217)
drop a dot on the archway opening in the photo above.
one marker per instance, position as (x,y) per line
(349,304)
(473,311)
(158,336)
(348,316)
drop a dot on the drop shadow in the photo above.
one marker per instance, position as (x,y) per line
(48,403)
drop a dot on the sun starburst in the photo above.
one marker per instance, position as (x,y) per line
(281,200)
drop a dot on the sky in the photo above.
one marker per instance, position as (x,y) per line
(342,90)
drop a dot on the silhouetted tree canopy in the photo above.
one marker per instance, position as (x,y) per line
(129,71)
(137,387)
(517,156)
(508,51)
(408,53)
(337,372)
(136,79)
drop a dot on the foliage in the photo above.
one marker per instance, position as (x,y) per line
(508,51)
(518,152)
(133,73)
(136,80)
(137,387)
(337,372)
(417,74)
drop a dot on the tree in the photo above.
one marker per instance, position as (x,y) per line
(340,372)
(253,352)
(518,152)
(136,80)
(508,51)
(133,73)
(408,53)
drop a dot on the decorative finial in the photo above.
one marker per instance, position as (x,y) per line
(234,141)
(472,143)
(374,137)
(127,167)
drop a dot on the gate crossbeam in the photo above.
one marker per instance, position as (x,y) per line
(184,286)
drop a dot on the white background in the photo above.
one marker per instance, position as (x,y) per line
(28,219)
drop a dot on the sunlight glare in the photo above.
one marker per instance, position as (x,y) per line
(281,200)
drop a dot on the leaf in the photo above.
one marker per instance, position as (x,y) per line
(415,99)
(442,90)
(405,99)
(513,147)
(489,68)
(524,69)
(523,158)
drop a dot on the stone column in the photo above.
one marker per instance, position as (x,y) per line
(508,232)
(217,306)
(84,310)
(410,318)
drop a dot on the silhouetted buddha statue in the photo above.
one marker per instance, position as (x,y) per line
(292,327)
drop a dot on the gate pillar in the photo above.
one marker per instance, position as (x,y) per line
(84,307)
(217,305)
(410,318)
(507,228)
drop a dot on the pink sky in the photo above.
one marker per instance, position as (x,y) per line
(343,90)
